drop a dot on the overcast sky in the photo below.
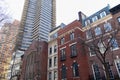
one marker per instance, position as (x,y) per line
(67,10)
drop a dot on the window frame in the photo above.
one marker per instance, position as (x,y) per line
(62,54)
(110,70)
(98,31)
(107,27)
(88,34)
(50,75)
(55,75)
(95,18)
(73,49)
(55,48)
(50,62)
(75,69)
(63,72)
(50,50)
(118,70)
(55,61)
(91,52)
(103,14)
(62,41)
(87,22)
(94,71)
(116,43)
(72,36)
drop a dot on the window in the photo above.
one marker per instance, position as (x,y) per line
(55,75)
(55,35)
(73,50)
(118,19)
(118,66)
(50,50)
(55,48)
(92,50)
(63,57)
(55,61)
(95,18)
(50,75)
(71,36)
(62,40)
(110,71)
(87,22)
(75,70)
(96,72)
(50,62)
(107,27)
(102,14)
(88,34)
(63,72)
(101,46)
(97,31)
(114,44)
(117,63)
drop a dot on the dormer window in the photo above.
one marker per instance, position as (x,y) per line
(87,22)
(95,18)
(102,14)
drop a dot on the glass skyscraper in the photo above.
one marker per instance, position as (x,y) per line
(37,20)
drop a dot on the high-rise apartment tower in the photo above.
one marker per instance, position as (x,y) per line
(37,20)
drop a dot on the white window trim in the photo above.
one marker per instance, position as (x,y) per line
(63,48)
(115,49)
(87,22)
(95,18)
(93,71)
(72,43)
(117,60)
(101,16)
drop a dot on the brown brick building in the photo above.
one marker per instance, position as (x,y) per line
(34,65)
(72,60)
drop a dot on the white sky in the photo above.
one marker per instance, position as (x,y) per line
(67,10)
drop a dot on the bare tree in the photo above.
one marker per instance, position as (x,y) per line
(103,45)
(5,14)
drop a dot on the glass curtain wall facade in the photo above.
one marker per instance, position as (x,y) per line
(37,20)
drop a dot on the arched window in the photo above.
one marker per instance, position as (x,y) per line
(63,72)
(75,69)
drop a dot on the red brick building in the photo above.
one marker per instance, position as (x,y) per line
(98,27)
(72,60)
(34,66)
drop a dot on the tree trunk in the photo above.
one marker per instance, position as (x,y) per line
(107,71)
